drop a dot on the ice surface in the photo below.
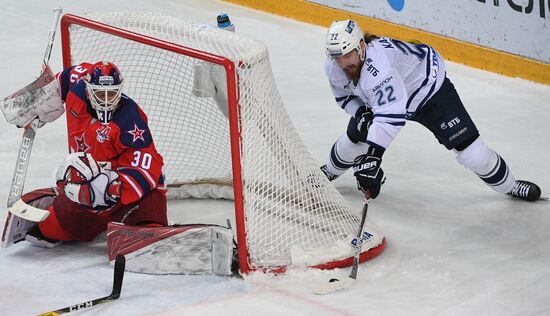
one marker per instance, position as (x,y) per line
(455,247)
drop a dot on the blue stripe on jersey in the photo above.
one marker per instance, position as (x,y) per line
(401,123)
(425,82)
(426,98)
(140,178)
(397,116)
(351,97)
(65,77)
(428,95)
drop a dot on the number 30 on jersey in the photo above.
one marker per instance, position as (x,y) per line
(142,160)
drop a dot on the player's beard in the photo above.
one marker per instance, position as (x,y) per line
(353,71)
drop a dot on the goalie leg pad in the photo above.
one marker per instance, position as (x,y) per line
(186,249)
(15,230)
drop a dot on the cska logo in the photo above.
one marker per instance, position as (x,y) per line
(81,145)
(103,133)
(137,133)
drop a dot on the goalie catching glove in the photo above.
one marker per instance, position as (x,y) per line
(368,173)
(87,182)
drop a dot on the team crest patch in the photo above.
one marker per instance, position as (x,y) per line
(137,133)
(81,145)
(103,133)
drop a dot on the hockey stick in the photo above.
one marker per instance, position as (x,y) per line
(23,156)
(20,173)
(120,263)
(336,284)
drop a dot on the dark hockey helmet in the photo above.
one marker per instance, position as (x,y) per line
(104,89)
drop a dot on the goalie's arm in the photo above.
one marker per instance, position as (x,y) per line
(140,172)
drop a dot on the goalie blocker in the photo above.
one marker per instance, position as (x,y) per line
(181,249)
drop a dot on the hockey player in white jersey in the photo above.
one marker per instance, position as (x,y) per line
(383,83)
(209,80)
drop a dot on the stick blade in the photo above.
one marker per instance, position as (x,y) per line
(337,285)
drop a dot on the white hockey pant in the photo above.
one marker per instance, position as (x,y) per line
(488,165)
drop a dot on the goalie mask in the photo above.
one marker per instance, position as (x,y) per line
(343,37)
(104,89)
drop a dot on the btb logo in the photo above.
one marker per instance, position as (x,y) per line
(450,124)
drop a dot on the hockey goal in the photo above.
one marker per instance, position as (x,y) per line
(287,213)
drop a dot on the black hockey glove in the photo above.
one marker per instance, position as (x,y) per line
(368,173)
(364,118)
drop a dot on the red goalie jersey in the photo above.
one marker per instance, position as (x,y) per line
(125,141)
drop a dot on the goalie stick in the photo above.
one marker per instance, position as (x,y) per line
(24,152)
(120,263)
(20,173)
(336,284)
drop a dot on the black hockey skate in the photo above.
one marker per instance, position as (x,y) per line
(525,190)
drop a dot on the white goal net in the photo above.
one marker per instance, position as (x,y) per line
(287,212)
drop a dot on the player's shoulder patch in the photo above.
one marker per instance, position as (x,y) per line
(79,89)
(134,131)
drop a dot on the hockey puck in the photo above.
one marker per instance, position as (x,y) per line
(333,280)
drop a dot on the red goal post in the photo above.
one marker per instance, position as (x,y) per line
(287,213)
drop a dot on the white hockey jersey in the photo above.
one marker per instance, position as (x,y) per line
(396,81)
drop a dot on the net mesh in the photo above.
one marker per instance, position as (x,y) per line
(288,202)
